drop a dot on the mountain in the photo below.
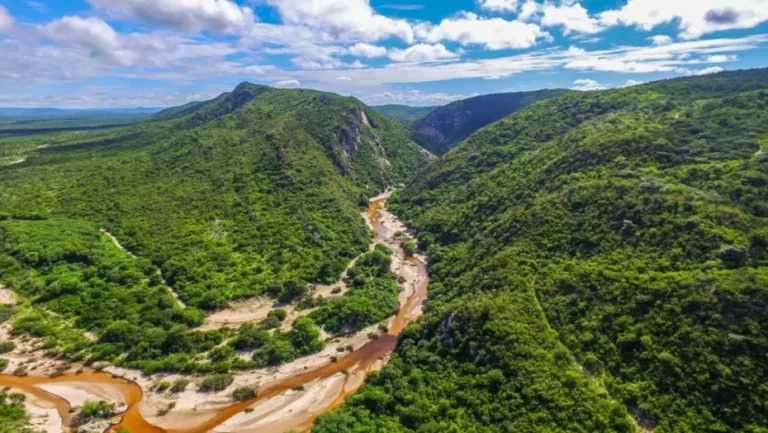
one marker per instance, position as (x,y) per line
(594,257)
(59,112)
(406,114)
(446,126)
(256,192)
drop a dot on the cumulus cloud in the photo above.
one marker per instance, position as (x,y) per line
(493,33)
(6,20)
(572,17)
(707,71)
(192,15)
(288,83)
(499,5)
(368,51)
(422,53)
(586,85)
(659,40)
(631,83)
(342,19)
(694,18)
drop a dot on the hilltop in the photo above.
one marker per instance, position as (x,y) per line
(444,127)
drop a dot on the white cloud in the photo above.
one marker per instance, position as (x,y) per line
(192,15)
(288,83)
(92,33)
(674,58)
(368,51)
(529,10)
(342,20)
(660,40)
(586,85)
(344,79)
(707,71)
(6,20)
(422,53)
(414,98)
(493,33)
(719,58)
(694,18)
(499,5)
(631,83)
(573,17)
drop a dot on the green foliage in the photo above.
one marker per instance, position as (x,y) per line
(6,311)
(7,346)
(443,128)
(216,383)
(372,298)
(13,415)
(243,393)
(483,366)
(637,217)
(3,364)
(280,347)
(255,192)
(179,385)
(94,410)
(409,247)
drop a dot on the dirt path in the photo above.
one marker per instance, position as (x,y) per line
(167,287)
(291,395)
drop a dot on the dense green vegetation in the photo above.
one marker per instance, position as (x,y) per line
(256,192)
(446,126)
(623,230)
(371,299)
(13,415)
(405,114)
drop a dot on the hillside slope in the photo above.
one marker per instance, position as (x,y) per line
(631,222)
(256,192)
(446,126)
(405,114)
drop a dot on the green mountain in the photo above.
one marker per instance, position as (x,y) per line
(405,114)
(593,257)
(258,191)
(443,128)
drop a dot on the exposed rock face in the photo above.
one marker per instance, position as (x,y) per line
(357,132)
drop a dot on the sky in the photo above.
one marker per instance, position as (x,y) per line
(157,53)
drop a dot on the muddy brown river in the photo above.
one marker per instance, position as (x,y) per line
(364,359)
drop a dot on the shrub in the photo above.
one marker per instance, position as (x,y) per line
(7,346)
(243,393)
(179,385)
(215,383)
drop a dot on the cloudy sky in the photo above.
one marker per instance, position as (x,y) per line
(119,53)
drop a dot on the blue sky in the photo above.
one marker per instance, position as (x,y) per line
(121,53)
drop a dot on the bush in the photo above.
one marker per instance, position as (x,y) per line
(161,386)
(216,383)
(3,364)
(7,346)
(179,385)
(243,393)
(409,247)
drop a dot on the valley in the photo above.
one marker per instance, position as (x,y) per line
(325,378)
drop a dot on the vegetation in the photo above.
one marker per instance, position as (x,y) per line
(216,383)
(256,192)
(405,114)
(243,393)
(446,126)
(592,257)
(13,415)
(371,298)
(92,411)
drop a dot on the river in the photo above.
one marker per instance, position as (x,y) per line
(279,406)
